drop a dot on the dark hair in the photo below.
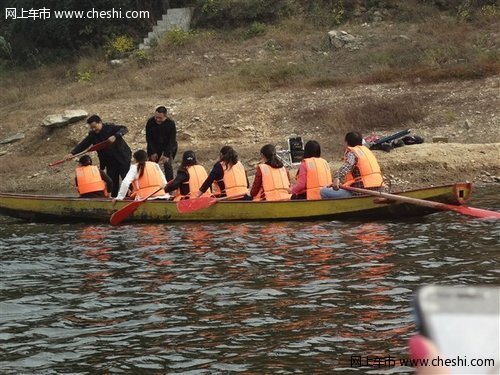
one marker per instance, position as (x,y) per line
(93,118)
(229,156)
(161,109)
(354,139)
(140,157)
(85,160)
(269,152)
(312,149)
(188,159)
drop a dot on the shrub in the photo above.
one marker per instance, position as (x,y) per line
(84,76)
(254,30)
(178,37)
(119,46)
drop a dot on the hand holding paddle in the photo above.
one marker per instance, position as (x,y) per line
(464,210)
(96,147)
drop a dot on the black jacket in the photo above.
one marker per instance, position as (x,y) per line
(117,153)
(161,138)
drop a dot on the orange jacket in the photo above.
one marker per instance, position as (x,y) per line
(369,169)
(318,175)
(150,182)
(197,175)
(89,180)
(235,180)
(275,183)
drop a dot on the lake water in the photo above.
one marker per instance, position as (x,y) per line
(205,298)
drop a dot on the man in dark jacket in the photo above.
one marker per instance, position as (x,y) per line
(115,157)
(161,136)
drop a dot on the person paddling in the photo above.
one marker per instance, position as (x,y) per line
(91,182)
(189,178)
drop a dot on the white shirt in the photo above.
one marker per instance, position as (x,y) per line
(134,175)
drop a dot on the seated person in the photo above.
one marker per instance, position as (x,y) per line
(228,176)
(314,173)
(189,178)
(360,169)
(272,179)
(146,178)
(91,182)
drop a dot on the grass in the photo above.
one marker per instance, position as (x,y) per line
(291,54)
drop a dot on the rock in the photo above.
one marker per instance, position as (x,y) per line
(13,138)
(67,117)
(342,39)
(467,125)
(116,62)
(4,152)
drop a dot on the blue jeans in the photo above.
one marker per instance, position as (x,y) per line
(328,192)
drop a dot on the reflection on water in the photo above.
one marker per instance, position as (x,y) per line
(220,298)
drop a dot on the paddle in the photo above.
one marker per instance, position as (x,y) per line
(194,204)
(129,209)
(96,147)
(464,210)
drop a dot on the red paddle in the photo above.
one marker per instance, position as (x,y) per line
(194,204)
(129,209)
(464,210)
(96,147)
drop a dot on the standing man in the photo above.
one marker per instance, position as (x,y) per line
(161,137)
(116,157)
(360,169)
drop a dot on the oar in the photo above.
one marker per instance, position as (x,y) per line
(464,210)
(129,209)
(194,204)
(96,147)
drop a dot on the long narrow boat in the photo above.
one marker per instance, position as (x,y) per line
(66,209)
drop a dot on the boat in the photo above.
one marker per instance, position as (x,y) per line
(45,208)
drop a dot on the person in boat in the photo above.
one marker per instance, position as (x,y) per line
(145,177)
(272,179)
(360,169)
(313,174)
(115,158)
(228,176)
(189,178)
(91,182)
(161,138)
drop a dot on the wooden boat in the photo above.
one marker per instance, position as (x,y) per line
(71,209)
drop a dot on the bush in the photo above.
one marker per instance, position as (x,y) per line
(178,37)
(119,46)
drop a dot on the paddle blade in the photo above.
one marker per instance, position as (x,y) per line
(475,212)
(195,204)
(124,212)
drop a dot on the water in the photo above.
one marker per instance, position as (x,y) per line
(202,298)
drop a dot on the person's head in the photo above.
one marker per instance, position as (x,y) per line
(85,160)
(354,139)
(140,158)
(268,152)
(95,123)
(160,114)
(312,149)
(228,156)
(188,159)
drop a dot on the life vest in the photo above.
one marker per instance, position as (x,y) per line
(368,167)
(275,183)
(318,175)
(197,175)
(235,180)
(89,180)
(150,182)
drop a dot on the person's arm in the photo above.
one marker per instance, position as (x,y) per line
(117,131)
(182,176)
(216,174)
(131,175)
(348,166)
(88,141)
(107,180)
(257,183)
(301,184)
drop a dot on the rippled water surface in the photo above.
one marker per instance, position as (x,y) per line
(285,297)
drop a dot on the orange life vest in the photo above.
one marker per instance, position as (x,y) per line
(150,182)
(235,180)
(368,167)
(318,175)
(275,183)
(197,175)
(89,180)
